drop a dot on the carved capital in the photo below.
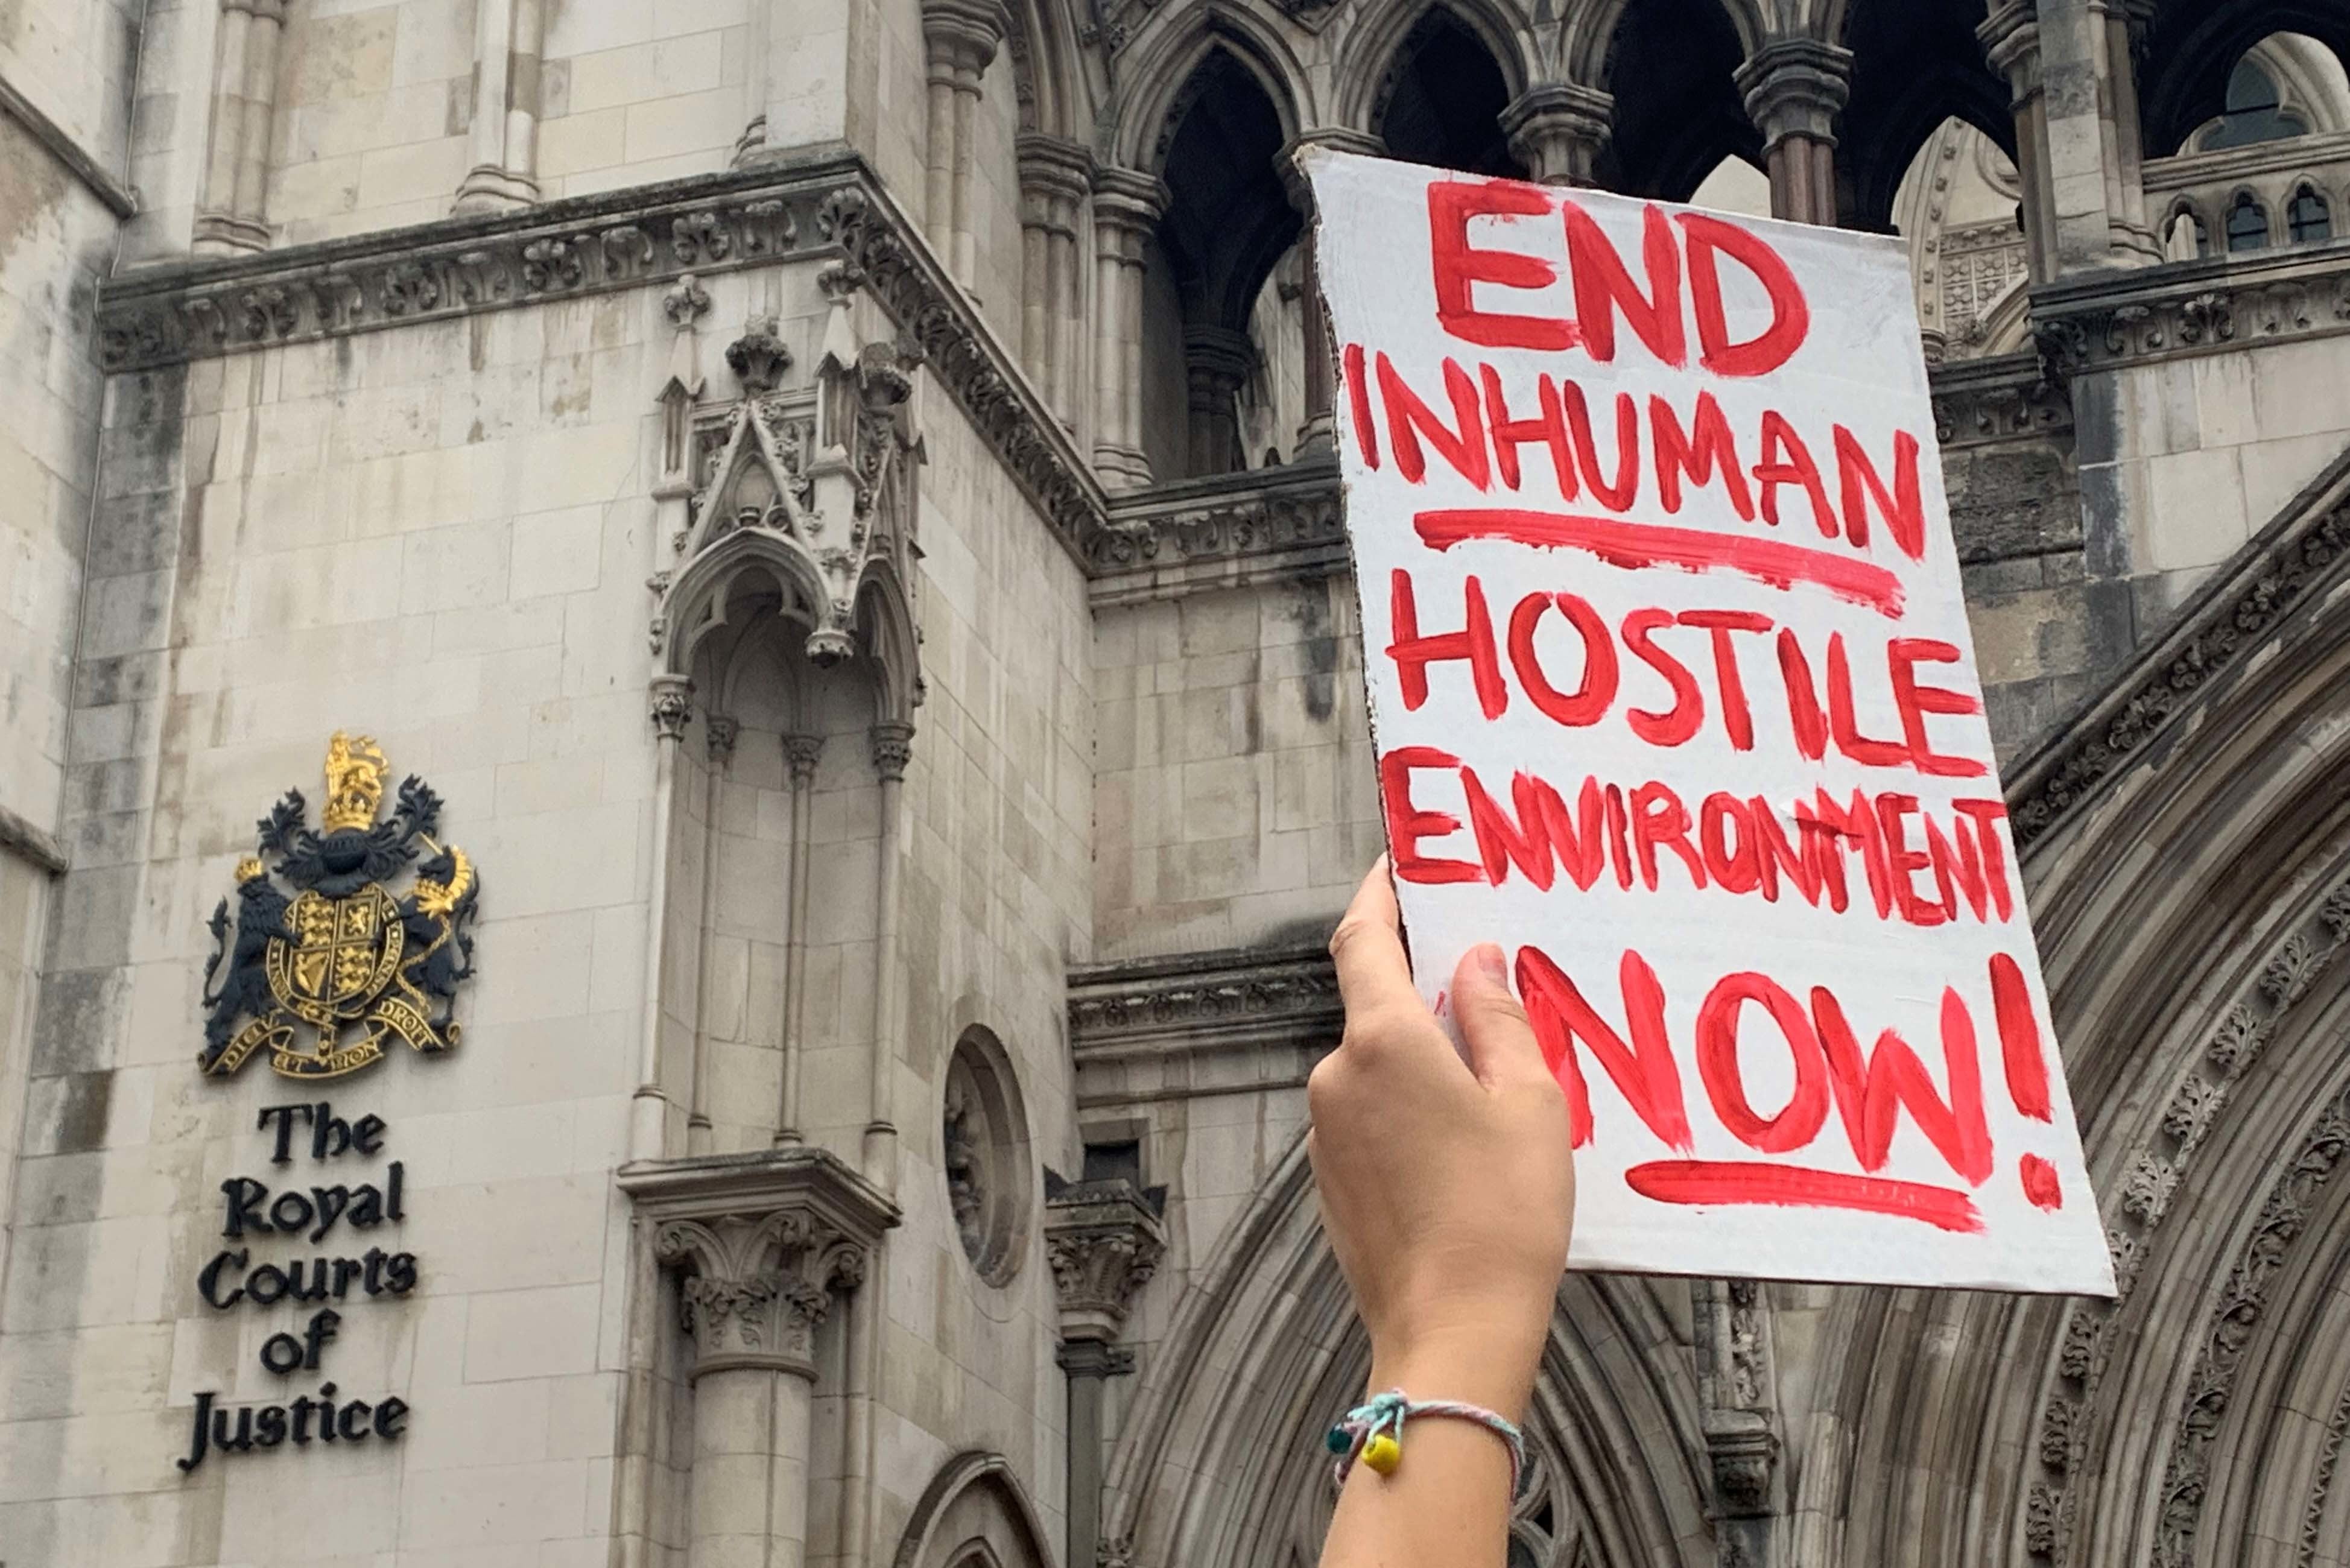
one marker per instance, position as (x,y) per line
(1126,207)
(754,1288)
(1059,171)
(1745,1452)
(672,706)
(1795,87)
(963,35)
(1217,359)
(800,754)
(2009,36)
(893,748)
(721,737)
(1557,129)
(759,1243)
(1104,1240)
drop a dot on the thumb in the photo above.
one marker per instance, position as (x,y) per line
(1493,1025)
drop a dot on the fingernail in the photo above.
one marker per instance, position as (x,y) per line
(1487,956)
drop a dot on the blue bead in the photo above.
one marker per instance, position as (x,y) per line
(1337,1442)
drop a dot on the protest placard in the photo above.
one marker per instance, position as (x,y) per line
(1674,698)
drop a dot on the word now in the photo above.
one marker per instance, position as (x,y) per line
(1868,1093)
(1816,716)
(1738,845)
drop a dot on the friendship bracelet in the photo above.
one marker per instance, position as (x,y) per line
(1373,1433)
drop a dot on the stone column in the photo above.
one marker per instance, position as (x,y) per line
(1557,129)
(1103,1240)
(1738,1398)
(1314,431)
(759,1249)
(2070,65)
(229,214)
(1126,205)
(800,754)
(508,40)
(721,736)
(670,709)
(961,37)
(1054,177)
(1216,363)
(893,748)
(1795,88)
(2010,40)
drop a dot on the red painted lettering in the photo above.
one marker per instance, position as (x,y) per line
(1644,1072)
(1460,266)
(1603,287)
(1708,240)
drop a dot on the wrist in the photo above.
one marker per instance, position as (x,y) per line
(1490,1370)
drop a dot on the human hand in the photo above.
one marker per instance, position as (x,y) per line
(1447,1187)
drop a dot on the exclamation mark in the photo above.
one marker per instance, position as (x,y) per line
(2027,1073)
(2019,1040)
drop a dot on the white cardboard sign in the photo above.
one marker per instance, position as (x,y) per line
(1674,698)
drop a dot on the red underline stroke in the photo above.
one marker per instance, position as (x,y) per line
(1634,546)
(1795,1187)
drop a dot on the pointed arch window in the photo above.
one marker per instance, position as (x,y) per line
(2248,224)
(2308,218)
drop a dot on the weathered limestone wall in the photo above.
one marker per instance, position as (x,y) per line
(2185,459)
(56,239)
(995,900)
(439,534)
(72,58)
(1235,799)
(436,535)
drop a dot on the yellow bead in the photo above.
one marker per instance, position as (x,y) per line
(1382,1453)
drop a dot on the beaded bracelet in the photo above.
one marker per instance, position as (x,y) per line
(1373,1432)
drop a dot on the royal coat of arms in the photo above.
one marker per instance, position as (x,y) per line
(324,977)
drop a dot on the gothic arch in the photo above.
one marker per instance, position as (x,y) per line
(1915,63)
(1457,125)
(1159,66)
(975,1512)
(1048,68)
(2192,912)
(1680,112)
(1371,52)
(2193,45)
(1222,1451)
(1587,48)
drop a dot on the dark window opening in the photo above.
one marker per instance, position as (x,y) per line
(1442,101)
(2255,111)
(2307,218)
(2247,224)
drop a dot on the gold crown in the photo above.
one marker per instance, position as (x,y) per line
(249,868)
(354,781)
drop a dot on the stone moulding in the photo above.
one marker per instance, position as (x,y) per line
(1997,398)
(2303,549)
(826,210)
(1233,529)
(2210,304)
(1233,1021)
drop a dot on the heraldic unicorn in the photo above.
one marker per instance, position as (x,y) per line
(324,977)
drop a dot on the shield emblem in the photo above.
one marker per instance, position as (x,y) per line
(343,954)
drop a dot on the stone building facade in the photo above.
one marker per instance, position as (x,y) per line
(835,498)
